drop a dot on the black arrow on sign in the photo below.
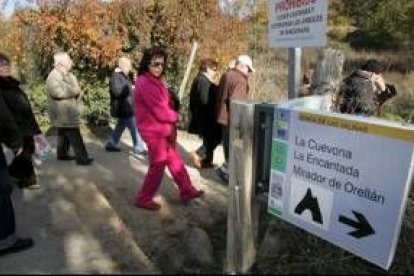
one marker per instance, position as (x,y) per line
(363,228)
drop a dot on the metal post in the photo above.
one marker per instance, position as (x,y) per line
(295,56)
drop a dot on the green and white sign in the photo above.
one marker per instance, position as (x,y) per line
(343,178)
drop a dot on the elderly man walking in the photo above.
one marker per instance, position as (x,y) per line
(63,97)
(233,85)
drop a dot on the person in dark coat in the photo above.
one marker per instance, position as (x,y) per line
(11,136)
(203,98)
(364,91)
(122,108)
(21,169)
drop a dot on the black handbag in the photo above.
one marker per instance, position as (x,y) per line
(176,104)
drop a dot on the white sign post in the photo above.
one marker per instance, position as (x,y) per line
(297,23)
(343,178)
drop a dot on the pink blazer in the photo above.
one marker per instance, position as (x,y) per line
(154,116)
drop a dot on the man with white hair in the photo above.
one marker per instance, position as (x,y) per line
(233,85)
(122,108)
(63,97)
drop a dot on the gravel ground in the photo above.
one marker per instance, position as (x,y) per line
(83,220)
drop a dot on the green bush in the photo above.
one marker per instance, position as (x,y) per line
(96,102)
(38,99)
(382,24)
(402,110)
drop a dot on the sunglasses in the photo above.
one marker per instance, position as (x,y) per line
(157,64)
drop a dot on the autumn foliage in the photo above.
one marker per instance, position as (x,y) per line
(96,32)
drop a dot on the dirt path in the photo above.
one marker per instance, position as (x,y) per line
(83,219)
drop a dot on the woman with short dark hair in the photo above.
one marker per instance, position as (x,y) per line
(203,98)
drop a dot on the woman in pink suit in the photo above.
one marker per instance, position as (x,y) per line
(156,119)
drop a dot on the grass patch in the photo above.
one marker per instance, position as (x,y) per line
(218,236)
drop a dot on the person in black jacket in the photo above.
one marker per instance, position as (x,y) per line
(120,90)
(21,169)
(203,97)
(11,136)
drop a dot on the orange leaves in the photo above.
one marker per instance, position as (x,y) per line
(182,21)
(95,32)
(83,28)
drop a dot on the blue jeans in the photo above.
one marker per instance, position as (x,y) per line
(139,144)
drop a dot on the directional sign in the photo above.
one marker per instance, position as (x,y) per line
(361,225)
(343,178)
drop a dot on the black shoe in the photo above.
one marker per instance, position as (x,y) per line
(19,245)
(28,182)
(14,180)
(112,149)
(85,162)
(206,165)
(66,158)
(222,175)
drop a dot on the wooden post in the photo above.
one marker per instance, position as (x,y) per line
(327,76)
(187,71)
(242,211)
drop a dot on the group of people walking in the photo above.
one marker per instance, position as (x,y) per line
(18,127)
(147,109)
(210,108)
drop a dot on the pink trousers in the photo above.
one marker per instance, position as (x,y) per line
(162,153)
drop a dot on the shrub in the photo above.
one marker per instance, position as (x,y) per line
(37,96)
(400,108)
(96,102)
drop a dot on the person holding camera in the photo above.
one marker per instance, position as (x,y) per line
(364,91)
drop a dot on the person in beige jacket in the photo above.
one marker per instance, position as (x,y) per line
(63,97)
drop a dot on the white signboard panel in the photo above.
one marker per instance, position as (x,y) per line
(297,23)
(343,178)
